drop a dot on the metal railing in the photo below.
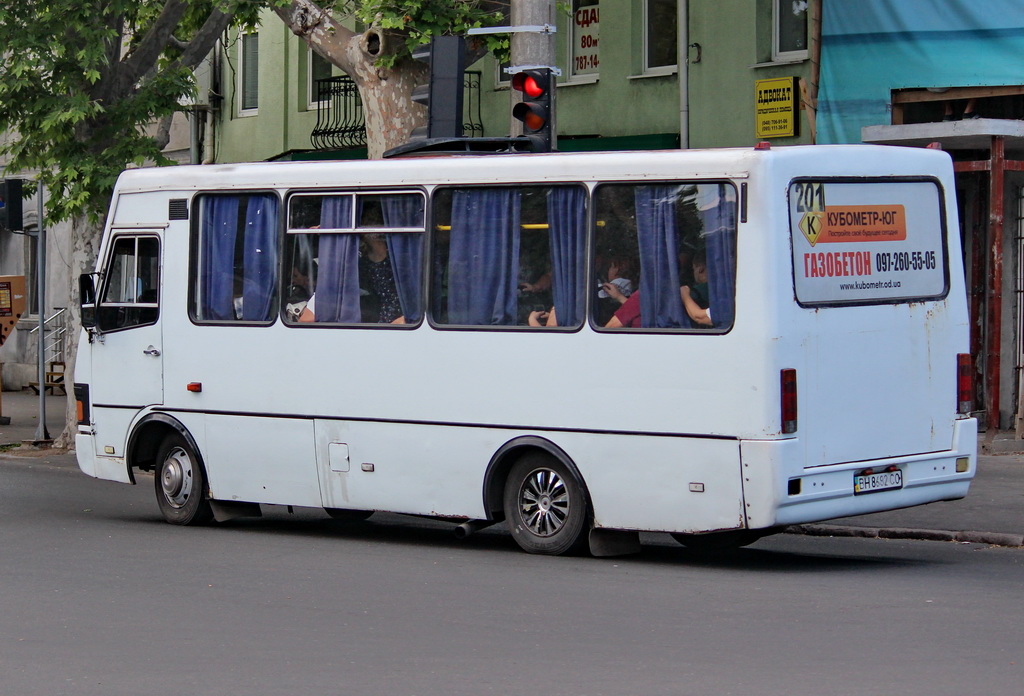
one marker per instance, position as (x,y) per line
(54,336)
(340,123)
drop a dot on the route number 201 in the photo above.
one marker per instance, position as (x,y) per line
(810,197)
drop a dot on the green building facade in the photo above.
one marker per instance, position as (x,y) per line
(636,74)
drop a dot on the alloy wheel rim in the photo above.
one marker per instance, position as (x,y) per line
(544,502)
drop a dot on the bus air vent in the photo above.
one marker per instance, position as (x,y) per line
(177,209)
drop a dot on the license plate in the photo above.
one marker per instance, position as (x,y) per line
(864,482)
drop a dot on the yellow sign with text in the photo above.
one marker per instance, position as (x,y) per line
(776,107)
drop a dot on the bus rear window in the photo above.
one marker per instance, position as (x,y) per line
(857,242)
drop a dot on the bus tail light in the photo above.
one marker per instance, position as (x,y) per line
(964,383)
(789,400)
(82,403)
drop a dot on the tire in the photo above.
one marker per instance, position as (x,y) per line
(547,510)
(721,541)
(348,515)
(181,483)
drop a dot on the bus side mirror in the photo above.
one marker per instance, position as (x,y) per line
(87,300)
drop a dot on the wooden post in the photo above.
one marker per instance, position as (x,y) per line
(995,287)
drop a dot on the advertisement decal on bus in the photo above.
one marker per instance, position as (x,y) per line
(867,242)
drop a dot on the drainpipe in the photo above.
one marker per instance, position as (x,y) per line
(213,96)
(683,60)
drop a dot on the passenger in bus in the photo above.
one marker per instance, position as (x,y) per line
(695,296)
(542,317)
(613,292)
(378,301)
(297,294)
(534,274)
(628,315)
(378,279)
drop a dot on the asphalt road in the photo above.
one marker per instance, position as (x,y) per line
(98,596)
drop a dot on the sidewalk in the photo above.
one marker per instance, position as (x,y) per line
(992,513)
(22,408)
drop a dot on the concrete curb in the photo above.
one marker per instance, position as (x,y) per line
(991,538)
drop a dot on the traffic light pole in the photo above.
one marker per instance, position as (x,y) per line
(533,49)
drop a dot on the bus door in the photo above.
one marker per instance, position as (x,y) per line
(127,367)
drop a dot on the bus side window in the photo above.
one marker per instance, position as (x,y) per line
(356,258)
(235,258)
(131,288)
(501,253)
(683,237)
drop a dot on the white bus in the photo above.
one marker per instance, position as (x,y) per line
(586,346)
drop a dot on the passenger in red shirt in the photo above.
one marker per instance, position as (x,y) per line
(628,315)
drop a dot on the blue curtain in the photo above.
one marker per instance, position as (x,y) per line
(483,262)
(720,242)
(217,253)
(337,287)
(405,249)
(657,233)
(260,257)
(567,226)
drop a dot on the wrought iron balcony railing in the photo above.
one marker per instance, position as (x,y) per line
(340,123)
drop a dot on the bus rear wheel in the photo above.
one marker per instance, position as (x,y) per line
(546,509)
(180,483)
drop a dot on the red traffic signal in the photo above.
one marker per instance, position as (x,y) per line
(530,83)
(536,109)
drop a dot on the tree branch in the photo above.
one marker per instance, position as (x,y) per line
(162,136)
(316,27)
(202,43)
(153,43)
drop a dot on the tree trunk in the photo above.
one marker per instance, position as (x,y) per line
(85,238)
(388,109)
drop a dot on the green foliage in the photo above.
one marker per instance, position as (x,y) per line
(79,91)
(416,21)
(70,109)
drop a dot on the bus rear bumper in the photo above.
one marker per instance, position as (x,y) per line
(780,491)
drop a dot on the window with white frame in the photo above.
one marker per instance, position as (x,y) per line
(317,68)
(584,37)
(660,36)
(789,30)
(502,78)
(248,72)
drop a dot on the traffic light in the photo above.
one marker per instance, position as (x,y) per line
(10,205)
(537,110)
(442,94)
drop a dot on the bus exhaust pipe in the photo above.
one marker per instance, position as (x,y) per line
(470,526)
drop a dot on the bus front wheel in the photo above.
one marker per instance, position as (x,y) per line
(180,483)
(546,509)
